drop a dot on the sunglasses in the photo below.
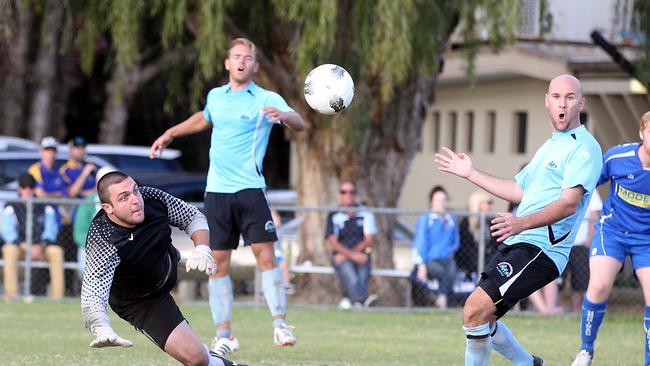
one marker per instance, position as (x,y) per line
(343,191)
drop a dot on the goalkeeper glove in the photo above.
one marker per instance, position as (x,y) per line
(201,260)
(105,336)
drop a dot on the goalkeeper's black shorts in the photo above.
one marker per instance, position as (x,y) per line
(514,272)
(155,317)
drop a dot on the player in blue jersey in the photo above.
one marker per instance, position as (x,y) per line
(241,115)
(553,193)
(623,230)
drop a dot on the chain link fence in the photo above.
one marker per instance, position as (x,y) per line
(310,267)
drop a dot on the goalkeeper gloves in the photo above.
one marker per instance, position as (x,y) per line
(201,260)
(105,336)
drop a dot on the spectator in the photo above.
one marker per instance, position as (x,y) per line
(45,230)
(82,219)
(470,234)
(435,242)
(545,299)
(49,182)
(578,267)
(78,172)
(350,234)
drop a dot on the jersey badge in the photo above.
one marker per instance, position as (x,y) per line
(131,237)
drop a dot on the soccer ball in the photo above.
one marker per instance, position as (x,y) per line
(329,89)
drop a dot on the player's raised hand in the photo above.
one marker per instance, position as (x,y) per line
(105,336)
(451,162)
(506,225)
(201,260)
(160,144)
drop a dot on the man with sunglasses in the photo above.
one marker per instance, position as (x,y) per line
(350,234)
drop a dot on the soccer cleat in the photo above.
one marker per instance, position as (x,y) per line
(583,358)
(225,361)
(537,361)
(283,336)
(224,346)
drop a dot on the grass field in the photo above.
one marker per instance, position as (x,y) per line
(48,333)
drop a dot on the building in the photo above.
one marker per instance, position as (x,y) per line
(501,120)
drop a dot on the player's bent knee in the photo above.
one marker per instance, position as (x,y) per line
(478,309)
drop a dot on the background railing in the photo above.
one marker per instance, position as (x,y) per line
(312,280)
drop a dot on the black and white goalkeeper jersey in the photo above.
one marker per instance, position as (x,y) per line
(126,264)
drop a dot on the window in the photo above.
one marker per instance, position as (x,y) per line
(453,130)
(469,133)
(521,128)
(436,131)
(491,131)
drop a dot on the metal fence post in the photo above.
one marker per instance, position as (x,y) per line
(481,244)
(29,238)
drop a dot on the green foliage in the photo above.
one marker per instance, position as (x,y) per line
(491,21)
(211,38)
(124,20)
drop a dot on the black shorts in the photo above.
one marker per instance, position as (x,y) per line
(578,267)
(514,272)
(155,317)
(244,213)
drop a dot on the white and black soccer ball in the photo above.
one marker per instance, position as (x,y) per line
(329,89)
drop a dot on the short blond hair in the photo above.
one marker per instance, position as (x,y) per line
(645,119)
(243,42)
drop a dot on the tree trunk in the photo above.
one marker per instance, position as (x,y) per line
(46,71)
(125,83)
(18,18)
(386,153)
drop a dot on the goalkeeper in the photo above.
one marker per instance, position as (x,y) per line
(131,264)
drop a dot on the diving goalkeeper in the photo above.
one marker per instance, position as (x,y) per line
(131,264)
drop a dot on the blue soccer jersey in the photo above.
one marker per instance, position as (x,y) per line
(568,159)
(627,207)
(240,135)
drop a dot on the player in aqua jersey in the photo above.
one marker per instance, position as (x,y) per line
(241,115)
(623,230)
(553,193)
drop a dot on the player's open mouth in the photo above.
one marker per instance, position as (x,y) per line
(561,116)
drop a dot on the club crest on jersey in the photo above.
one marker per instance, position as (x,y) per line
(630,176)
(269,227)
(505,269)
(245,116)
(585,155)
(552,165)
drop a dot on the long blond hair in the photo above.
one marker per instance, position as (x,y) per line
(474,205)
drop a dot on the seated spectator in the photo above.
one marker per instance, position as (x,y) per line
(45,230)
(350,234)
(471,234)
(49,182)
(78,172)
(435,242)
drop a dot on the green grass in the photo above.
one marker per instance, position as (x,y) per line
(49,333)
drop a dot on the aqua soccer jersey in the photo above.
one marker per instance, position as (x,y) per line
(627,207)
(240,135)
(568,159)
